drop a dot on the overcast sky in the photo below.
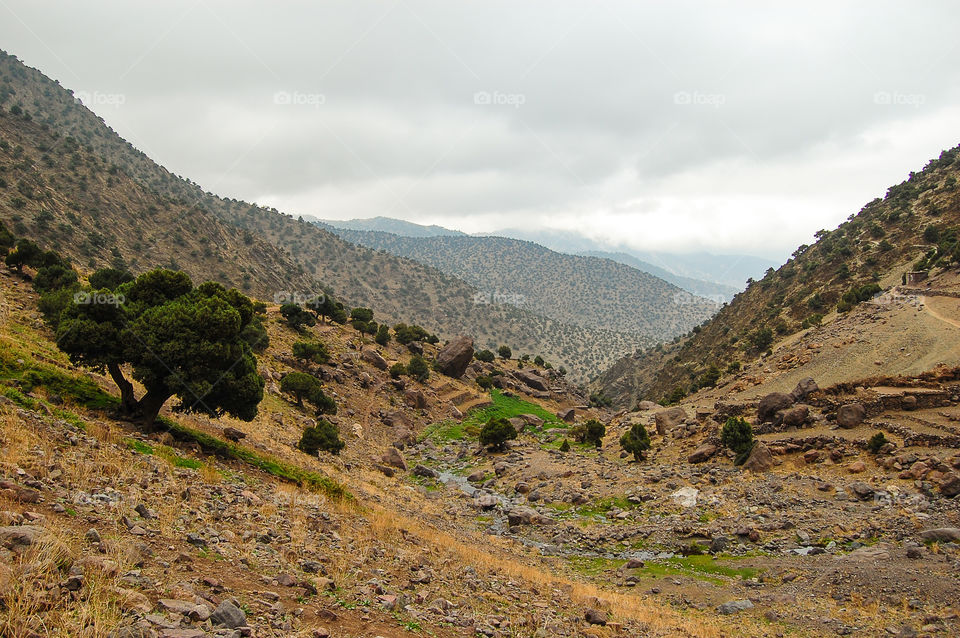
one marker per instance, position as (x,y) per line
(724,126)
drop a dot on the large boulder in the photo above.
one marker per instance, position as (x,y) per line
(524,516)
(796,416)
(670,418)
(393,458)
(941,535)
(453,358)
(760,459)
(374,358)
(531,379)
(647,405)
(805,388)
(771,404)
(702,453)
(851,415)
(567,415)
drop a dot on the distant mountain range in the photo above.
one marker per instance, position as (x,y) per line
(717,277)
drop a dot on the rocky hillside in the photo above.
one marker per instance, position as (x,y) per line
(70,182)
(912,228)
(585,291)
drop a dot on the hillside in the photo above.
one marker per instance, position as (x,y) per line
(89,192)
(914,227)
(391,225)
(584,291)
(711,290)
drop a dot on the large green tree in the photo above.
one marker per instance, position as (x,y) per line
(178,341)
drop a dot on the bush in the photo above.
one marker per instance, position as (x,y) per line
(876,442)
(323,436)
(635,441)
(311,351)
(591,431)
(383,335)
(505,352)
(408,333)
(397,370)
(496,432)
(296,316)
(733,367)
(565,446)
(304,386)
(856,295)
(761,338)
(485,381)
(51,278)
(600,400)
(484,355)
(418,368)
(538,361)
(737,435)
(109,278)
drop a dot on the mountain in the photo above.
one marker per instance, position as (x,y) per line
(391,225)
(69,181)
(914,227)
(719,293)
(729,270)
(578,290)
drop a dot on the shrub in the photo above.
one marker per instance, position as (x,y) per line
(304,386)
(496,432)
(876,442)
(591,431)
(565,446)
(296,316)
(538,360)
(311,351)
(505,352)
(733,367)
(408,333)
(856,295)
(383,335)
(737,435)
(484,355)
(418,368)
(485,381)
(761,338)
(397,370)
(635,441)
(323,436)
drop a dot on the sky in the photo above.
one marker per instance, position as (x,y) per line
(728,127)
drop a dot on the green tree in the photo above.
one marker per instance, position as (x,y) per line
(505,352)
(409,333)
(418,368)
(26,253)
(383,335)
(635,441)
(496,432)
(50,278)
(296,316)
(7,240)
(397,370)
(109,278)
(178,340)
(484,355)
(565,446)
(737,436)
(322,436)
(314,351)
(876,442)
(538,361)
(305,386)
(325,306)
(591,431)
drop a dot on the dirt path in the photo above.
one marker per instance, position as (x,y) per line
(937,315)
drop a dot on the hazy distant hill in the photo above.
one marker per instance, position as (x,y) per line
(915,226)
(575,289)
(709,289)
(395,226)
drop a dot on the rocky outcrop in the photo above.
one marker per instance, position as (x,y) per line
(851,415)
(669,419)
(702,453)
(374,358)
(453,358)
(805,388)
(771,404)
(760,459)
(531,379)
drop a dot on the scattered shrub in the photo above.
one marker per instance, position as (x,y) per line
(323,436)
(737,435)
(496,432)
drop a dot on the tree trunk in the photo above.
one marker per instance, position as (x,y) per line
(128,402)
(149,406)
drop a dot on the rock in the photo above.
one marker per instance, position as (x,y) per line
(233,434)
(14,536)
(857,467)
(393,458)
(567,415)
(771,404)
(531,379)
(172,605)
(374,358)
(477,476)
(950,485)
(387,471)
(941,535)
(595,617)
(685,497)
(811,456)
(486,501)
(415,399)
(914,552)
(669,419)
(524,516)
(719,545)
(702,453)
(518,424)
(229,615)
(908,402)
(804,388)
(796,416)
(643,406)
(532,420)
(93,536)
(425,472)
(861,490)
(453,358)
(851,415)
(734,606)
(760,459)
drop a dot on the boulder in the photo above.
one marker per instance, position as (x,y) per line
(425,472)
(647,405)
(851,415)
(229,615)
(760,459)
(670,418)
(685,497)
(796,416)
(567,415)
(13,536)
(486,501)
(373,358)
(804,388)
(453,358)
(771,404)
(531,379)
(950,485)
(393,458)
(415,399)
(734,606)
(908,402)
(524,516)
(702,453)
(532,420)
(861,490)
(941,535)
(233,434)
(518,424)
(595,617)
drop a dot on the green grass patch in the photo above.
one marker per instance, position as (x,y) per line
(449,430)
(594,565)
(509,407)
(138,446)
